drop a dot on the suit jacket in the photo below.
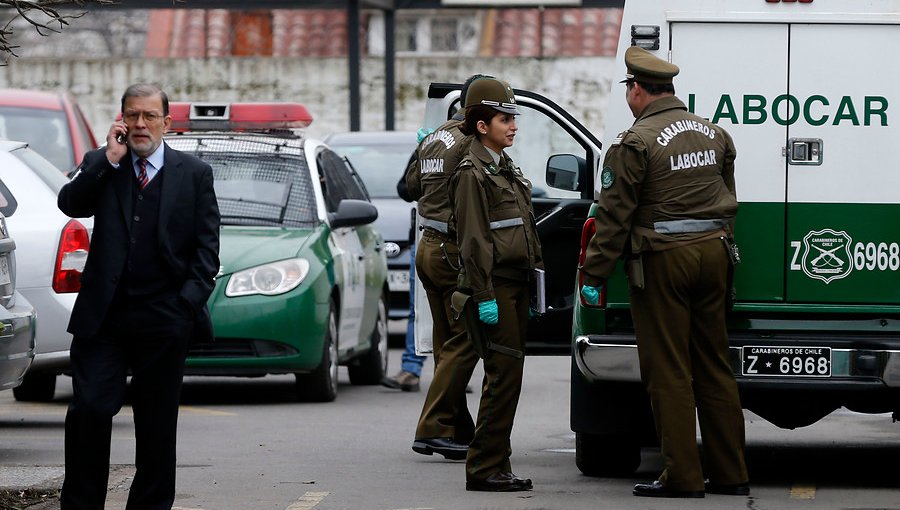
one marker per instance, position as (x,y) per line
(188,233)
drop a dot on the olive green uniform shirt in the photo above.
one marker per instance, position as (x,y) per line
(667,181)
(496,229)
(428,176)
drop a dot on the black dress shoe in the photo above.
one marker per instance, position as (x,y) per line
(736,489)
(500,482)
(447,447)
(658,490)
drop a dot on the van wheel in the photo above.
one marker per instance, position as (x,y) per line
(607,455)
(371,367)
(36,387)
(321,384)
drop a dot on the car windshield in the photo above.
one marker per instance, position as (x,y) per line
(255,183)
(379,165)
(44,130)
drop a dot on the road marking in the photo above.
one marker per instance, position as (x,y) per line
(308,501)
(208,412)
(803,491)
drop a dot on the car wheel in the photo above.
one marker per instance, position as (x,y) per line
(607,454)
(36,387)
(371,367)
(321,384)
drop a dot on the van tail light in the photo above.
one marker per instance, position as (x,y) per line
(587,232)
(70,257)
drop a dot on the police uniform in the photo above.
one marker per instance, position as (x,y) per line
(666,206)
(499,249)
(445,414)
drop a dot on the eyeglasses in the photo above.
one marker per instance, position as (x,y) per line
(149,117)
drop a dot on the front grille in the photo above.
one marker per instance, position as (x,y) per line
(226,348)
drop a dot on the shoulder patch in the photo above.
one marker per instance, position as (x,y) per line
(607,177)
(618,139)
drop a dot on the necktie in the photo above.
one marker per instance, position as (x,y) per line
(142,173)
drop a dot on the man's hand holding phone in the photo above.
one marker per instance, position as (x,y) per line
(116,146)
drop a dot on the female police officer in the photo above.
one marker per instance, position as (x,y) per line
(499,249)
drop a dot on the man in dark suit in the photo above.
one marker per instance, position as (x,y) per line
(150,269)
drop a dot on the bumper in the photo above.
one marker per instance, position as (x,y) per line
(615,358)
(16,342)
(52,341)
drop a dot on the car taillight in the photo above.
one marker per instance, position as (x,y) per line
(587,232)
(70,257)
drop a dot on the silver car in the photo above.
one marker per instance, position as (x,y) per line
(52,249)
(16,313)
(380,158)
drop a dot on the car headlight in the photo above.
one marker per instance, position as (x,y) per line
(268,279)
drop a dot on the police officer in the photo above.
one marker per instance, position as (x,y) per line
(667,207)
(499,249)
(445,425)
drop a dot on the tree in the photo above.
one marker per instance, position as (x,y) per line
(43,15)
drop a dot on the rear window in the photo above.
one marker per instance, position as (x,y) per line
(255,183)
(43,168)
(45,131)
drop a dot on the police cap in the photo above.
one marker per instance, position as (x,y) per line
(644,67)
(494,93)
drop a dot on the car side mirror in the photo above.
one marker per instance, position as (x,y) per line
(565,171)
(352,213)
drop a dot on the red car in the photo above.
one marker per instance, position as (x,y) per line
(51,123)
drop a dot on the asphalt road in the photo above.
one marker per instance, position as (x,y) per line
(244,444)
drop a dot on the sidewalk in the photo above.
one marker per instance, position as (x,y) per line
(21,484)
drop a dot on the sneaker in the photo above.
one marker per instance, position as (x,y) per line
(406,381)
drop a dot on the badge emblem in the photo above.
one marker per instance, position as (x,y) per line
(391,249)
(607,177)
(826,255)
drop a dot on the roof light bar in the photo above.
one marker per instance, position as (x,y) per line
(237,116)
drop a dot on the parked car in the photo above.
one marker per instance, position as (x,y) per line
(302,286)
(52,250)
(51,122)
(380,158)
(17,317)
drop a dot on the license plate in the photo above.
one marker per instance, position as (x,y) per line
(758,360)
(398,281)
(4,270)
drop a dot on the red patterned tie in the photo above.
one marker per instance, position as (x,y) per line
(142,173)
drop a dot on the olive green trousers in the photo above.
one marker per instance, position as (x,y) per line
(679,321)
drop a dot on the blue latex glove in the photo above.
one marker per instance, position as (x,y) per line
(422,133)
(488,312)
(591,294)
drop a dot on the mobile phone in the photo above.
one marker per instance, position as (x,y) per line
(120,138)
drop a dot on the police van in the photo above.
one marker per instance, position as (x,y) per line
(803,87)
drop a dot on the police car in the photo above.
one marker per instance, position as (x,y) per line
(816,323)
(303,283)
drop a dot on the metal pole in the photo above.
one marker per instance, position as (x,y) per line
(353,50)
(389,61)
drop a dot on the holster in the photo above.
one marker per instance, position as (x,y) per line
(463,306)
(734,258)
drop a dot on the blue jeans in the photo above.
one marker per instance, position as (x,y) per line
(410,361)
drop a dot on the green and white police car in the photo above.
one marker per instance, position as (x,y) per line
(302,286)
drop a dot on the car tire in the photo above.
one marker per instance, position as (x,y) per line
(321,384)
(371,367)
(607,455)
(36,387)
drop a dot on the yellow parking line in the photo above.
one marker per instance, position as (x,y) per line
(209,412)
(308,501)
(803,491)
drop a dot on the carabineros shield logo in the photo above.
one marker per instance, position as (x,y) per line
(826,255)
(607,177)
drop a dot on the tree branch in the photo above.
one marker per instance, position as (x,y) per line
(31,11)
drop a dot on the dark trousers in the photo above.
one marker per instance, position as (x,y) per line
(445,413)
(490,450)
(149,341)
(679,321)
